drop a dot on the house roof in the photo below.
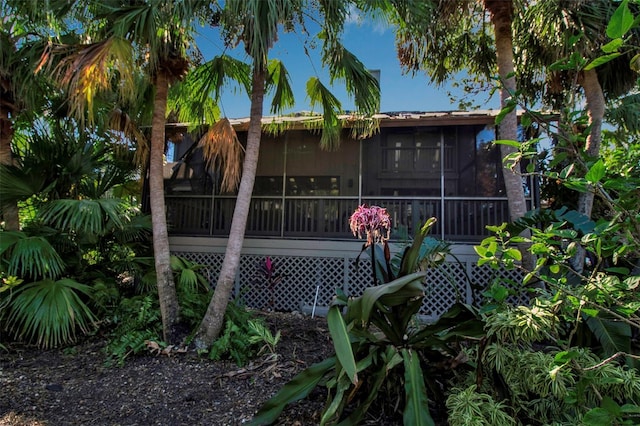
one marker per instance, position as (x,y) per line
(306,119)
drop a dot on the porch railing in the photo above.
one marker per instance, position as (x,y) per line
(459,219)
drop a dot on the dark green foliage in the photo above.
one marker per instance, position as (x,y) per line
(136,320)
(384,357)
(243,338)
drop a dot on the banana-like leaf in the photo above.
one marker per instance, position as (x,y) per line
(614,336)
(416,411)
(336,404)
(342,343)
(296,389)
(386,361)
(372,294)
(412,255)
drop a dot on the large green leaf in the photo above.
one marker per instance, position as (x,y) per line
(386,361)
(416,411)
(412,255)
(86,216)
(372,294)
(49,312)
(613,335)
(296,389)
(30,256)
(342,343)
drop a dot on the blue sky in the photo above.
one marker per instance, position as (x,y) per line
(373,43)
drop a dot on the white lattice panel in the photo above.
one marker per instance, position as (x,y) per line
(304,275)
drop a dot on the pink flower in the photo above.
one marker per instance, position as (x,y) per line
(374,222)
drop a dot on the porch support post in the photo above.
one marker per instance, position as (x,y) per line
(442,209)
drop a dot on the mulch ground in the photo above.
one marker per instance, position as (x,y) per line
(73,386)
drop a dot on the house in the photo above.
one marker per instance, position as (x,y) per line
(417,165)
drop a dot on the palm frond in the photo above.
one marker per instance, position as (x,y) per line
(278,77)
(331,125)
(222,150)
(85,216)
(138,228)
(49,312)
(196,98)
(124,125)
(345,66)
(16,185)
(30,256)
(89,70)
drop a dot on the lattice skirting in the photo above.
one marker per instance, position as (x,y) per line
(309,280)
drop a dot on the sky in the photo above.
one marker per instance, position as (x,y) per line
(373,43)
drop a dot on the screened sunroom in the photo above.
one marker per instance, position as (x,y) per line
(417,166)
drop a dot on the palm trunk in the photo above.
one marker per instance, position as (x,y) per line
(502,12)
(9,209)
(169,307)
(214,318)
(595,110)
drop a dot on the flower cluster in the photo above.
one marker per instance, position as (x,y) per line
(373,221)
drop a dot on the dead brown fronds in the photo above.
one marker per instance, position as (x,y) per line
(222,150)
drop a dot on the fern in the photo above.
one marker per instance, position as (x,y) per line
(137,319)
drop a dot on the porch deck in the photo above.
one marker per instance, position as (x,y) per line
(459,219)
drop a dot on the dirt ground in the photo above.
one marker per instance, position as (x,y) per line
(74,387)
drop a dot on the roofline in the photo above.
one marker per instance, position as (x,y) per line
(304,120)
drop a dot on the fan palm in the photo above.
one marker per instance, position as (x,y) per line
(159,35)
(256,24)
(25,28)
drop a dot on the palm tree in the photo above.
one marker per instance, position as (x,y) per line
(448,37)
(583,29)
(23,31)
(162,33)
(256,24)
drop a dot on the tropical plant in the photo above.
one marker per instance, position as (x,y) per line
(160,35)
(267,277)
(445,38)
(256,24)
(26,29)
(244,337)
(384,357)
(76,241)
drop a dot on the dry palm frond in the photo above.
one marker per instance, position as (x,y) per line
(89,70)
(222,149)
(121,122)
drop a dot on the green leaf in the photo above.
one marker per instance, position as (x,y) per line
(564,357)
(371,295)
(416,411)
(596,172)
(621,21)
(411,256)
(601,60)
(296,389)
(508,142)
(342,343)
(613,335)
(507,109)
(597,417)
(613,45)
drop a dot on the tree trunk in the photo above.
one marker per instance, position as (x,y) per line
(9,209)
(169,307)
(501,16)
(595,111)
(214,318)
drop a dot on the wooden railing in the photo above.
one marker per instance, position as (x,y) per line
(460,219)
